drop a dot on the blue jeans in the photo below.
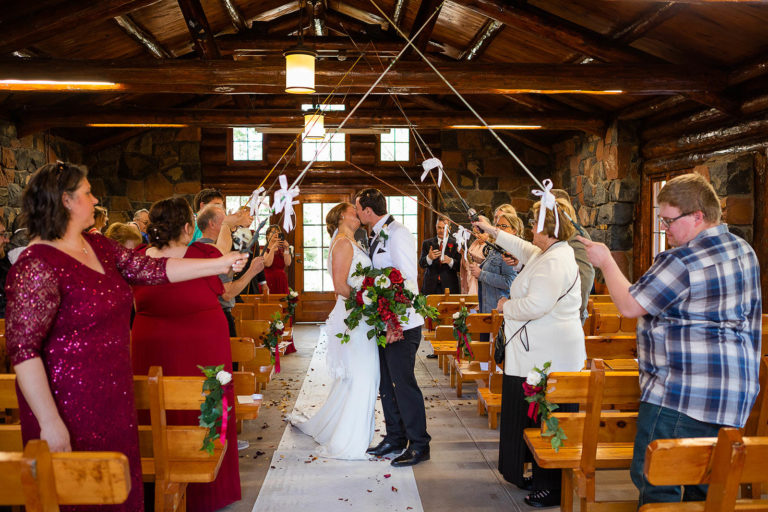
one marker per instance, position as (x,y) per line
(655,422)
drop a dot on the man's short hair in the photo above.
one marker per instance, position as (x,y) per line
(205,196)
(692,193)
(136,215)
(372,198)
(207,216)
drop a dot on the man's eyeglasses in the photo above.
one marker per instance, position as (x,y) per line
(666,221)
(5,234)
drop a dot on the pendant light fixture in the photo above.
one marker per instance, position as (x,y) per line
(300,64)
(314,127)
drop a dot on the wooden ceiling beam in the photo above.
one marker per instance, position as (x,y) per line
(33,122)
(397,14)
(646,22)
(703,2)
(425,22)
(199,29)
(224,77)
(62,17)
(235,15)
(142,36)
(645,108)
(483,38)
(317,8)
(245,45)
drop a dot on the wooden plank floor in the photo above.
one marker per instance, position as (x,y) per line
(462,474)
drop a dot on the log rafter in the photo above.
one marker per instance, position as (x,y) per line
(235,15)
(482,40)
(142,36)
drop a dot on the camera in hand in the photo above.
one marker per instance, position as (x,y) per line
(280,237)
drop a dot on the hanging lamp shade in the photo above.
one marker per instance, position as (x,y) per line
(314,126)
(300,71)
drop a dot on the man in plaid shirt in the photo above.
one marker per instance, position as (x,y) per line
(698,337)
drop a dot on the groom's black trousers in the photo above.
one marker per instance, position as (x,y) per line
(401,398)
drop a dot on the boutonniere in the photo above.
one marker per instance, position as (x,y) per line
(450,246)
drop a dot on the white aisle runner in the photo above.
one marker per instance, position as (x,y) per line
(298,480)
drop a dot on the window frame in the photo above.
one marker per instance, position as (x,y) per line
(324,163)
(245,163)
(396,163)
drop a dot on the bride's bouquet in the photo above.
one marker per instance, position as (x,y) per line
(383,297)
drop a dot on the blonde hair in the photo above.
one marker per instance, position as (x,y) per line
(510,215)
(122,233)
(692,193)
(566,229)
(568,206)
(333,217)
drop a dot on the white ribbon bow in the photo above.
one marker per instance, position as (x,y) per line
(430,164)
(445,241)
(548,202)
(462,237)
(284,202)
(255,200)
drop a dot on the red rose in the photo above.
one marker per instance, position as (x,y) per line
(368,281)
(359,298)
(395,276)
(450,246)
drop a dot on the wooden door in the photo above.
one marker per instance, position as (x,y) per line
(312,242)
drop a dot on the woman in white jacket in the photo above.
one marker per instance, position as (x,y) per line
(542,323)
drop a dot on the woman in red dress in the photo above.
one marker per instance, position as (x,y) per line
(277,256)
(179,326)
(69,303)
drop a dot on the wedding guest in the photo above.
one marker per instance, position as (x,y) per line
(141,221)
(441,269)
(277,256)
(698,331)
(495,275)
(181,325)
(542,323)
(475,254)
(209,222)
(214,197)
(586,270)
(100,219)
(126,235)
(67,322)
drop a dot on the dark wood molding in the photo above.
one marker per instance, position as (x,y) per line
(222,118)
(222,76)
(59,18)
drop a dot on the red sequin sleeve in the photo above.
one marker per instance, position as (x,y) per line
(33,295)
(137,269)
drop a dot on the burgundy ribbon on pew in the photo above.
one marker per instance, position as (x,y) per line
(224,417)
(277,357)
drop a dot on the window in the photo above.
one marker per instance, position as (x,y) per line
(659,236)
(405,210)
(316,244)
(395,145)
(305,107)
(235,202)
(247,144)
(334,151)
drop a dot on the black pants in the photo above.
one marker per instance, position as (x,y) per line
(401,398)
(231,322)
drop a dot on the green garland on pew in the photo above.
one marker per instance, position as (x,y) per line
(534,387)
(211,408)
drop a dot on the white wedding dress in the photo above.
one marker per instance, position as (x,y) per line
(344,426)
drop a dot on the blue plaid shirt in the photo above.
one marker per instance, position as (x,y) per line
(699,346)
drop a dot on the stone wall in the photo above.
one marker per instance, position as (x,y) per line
(602,174)
(20,157)
(485,174)
(149,167)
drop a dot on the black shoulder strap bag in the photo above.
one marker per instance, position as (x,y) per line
(500,344)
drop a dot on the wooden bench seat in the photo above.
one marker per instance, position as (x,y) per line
(723,463)
(489,399)
(41,480)
(595,439)
(472,370)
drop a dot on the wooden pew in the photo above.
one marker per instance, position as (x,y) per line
(489,399)
(611,346)
(613,323)
(596,439)
(469,371)
(435,299)
(41,480)
(244,350)
(722,463)
(443,345)
(170,454)
(243,311)
(5,362)
(757,425)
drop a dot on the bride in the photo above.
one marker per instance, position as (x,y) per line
(344,425)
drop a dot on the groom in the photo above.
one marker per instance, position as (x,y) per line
(401,398)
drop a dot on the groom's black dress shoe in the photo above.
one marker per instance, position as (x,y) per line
(385,447)
(411,457)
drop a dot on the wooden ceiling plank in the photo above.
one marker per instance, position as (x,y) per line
(235,15)
(35,121)
(482,40)
(143,37)
(222,76)
(649,107)
(199,29)
(59,18)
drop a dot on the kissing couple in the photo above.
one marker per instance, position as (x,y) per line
(344,426)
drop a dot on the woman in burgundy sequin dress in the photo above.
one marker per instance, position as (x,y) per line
(181,325)
(69,303)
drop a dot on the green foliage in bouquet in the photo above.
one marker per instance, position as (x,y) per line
(211,408)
